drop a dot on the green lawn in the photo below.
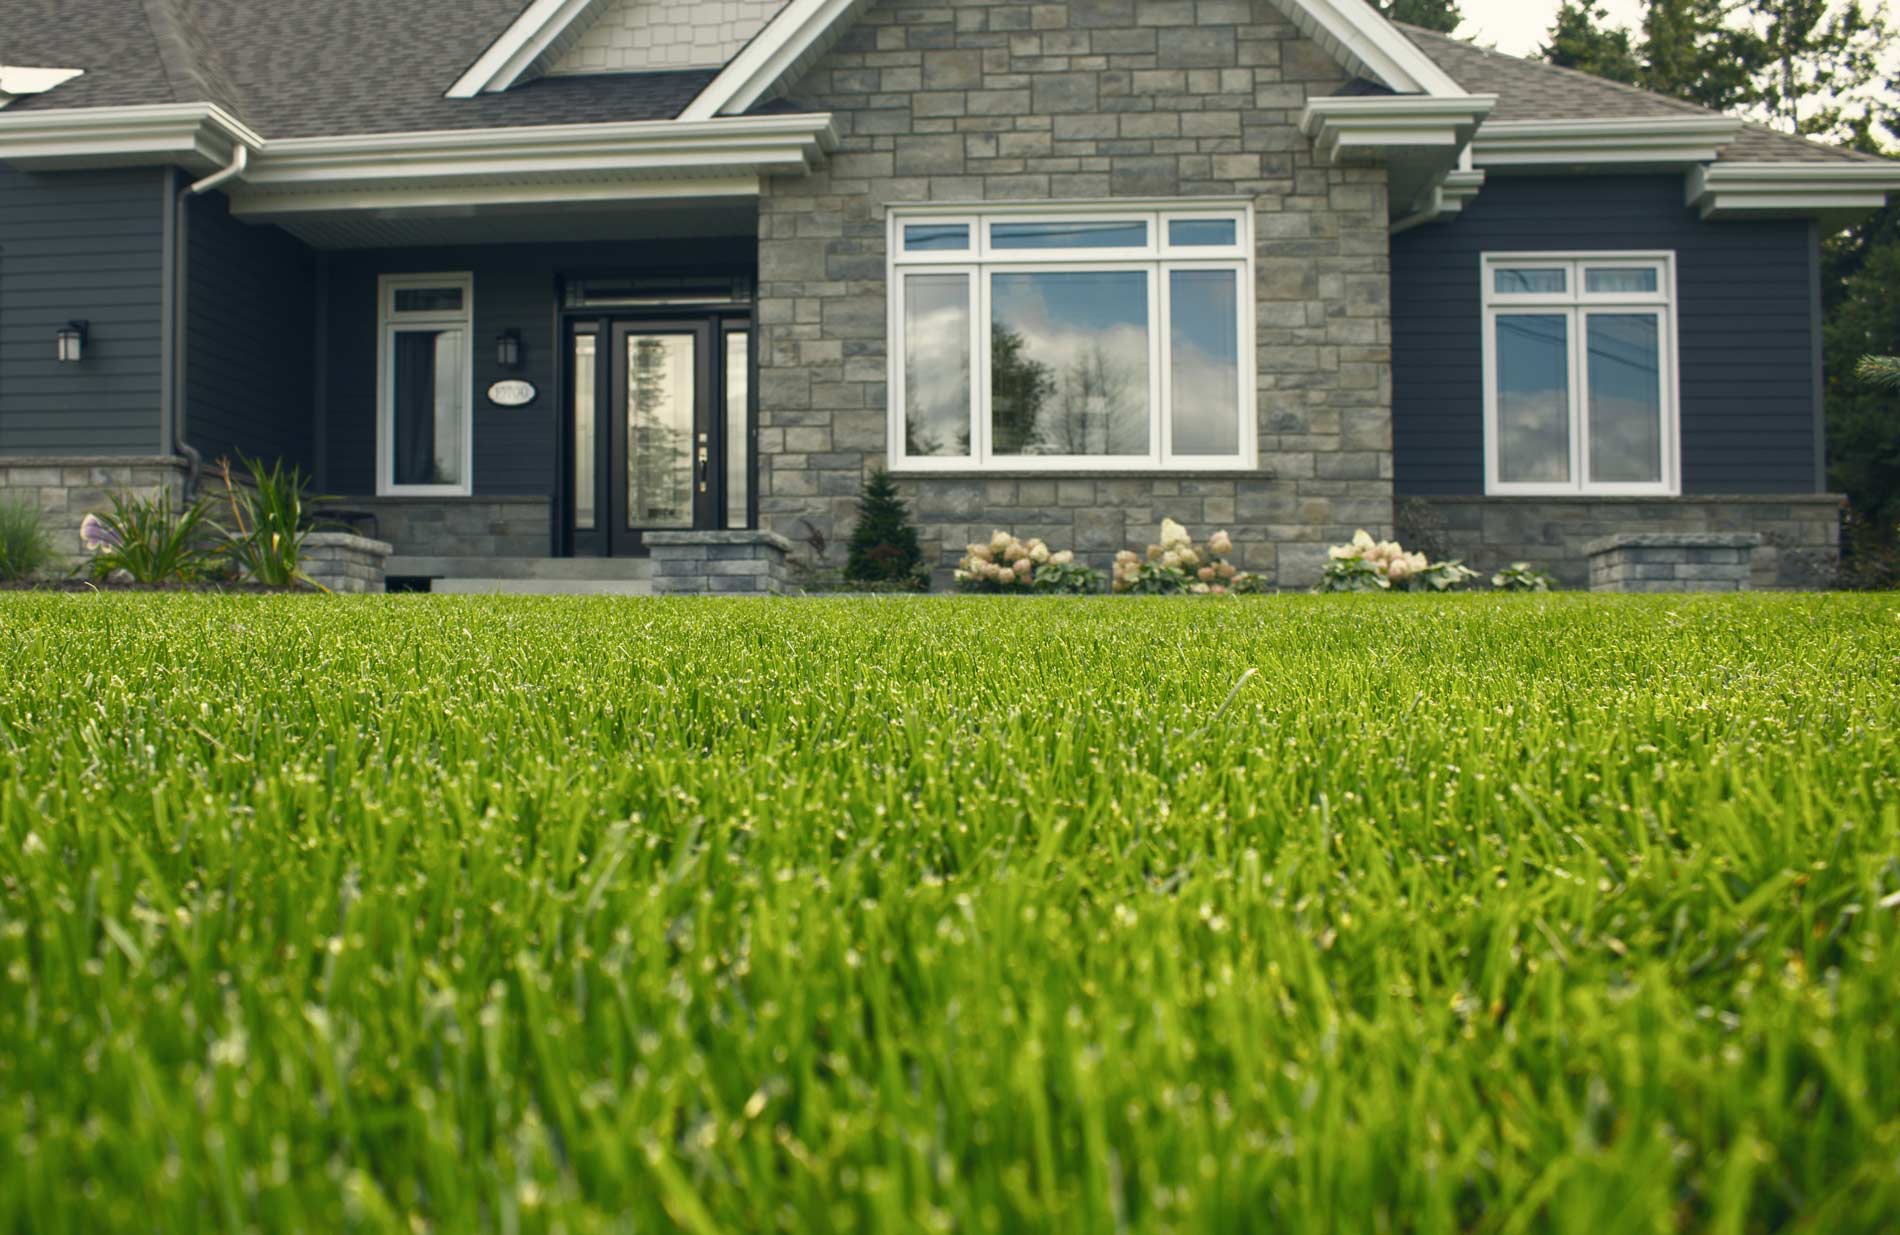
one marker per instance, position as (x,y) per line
(1477,914)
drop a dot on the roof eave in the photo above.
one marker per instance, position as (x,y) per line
(1652,142)
(201,137)
(1418,138)
(1837,193)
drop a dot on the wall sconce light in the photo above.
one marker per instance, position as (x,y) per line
(72,342)
(508,349)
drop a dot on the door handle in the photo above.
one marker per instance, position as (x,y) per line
(705,458)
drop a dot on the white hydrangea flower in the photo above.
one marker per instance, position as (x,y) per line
(1220,544)
(1173,535)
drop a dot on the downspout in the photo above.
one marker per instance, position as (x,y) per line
(179,237)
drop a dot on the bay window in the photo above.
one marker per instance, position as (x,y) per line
(425,380)
(1580,374)
(1072,338)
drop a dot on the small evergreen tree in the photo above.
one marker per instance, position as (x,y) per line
(1440,15)
(884,546)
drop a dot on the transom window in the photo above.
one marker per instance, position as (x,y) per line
(425,384)
(1072,338)
(1580,373)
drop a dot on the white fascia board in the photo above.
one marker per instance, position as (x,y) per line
(1838,192)
(1653,141)
(786,47)
(1365,42)
(200,136)
(758,144)
(515,52)
(1372,124)
(388,201)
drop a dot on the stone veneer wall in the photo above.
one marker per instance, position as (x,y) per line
(1800,549)
(456,526)
(665,34)
(68,487)
(963,100)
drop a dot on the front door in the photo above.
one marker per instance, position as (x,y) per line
(653,439)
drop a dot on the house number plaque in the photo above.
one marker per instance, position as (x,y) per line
(512,393)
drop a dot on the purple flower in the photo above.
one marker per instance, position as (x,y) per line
(96,535)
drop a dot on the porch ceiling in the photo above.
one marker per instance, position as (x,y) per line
(715,214)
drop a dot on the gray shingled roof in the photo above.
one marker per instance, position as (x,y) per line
(309,68)
(1534,90)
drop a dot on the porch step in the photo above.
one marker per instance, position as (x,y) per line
(529,576)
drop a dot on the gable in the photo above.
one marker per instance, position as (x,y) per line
(625,36)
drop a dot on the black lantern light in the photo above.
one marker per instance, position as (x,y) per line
(508,349)
(72,342)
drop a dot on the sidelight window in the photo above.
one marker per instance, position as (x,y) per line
(425,377)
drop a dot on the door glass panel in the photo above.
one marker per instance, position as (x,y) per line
(936,365)
(1533,357)
(738,426)
(584,496)
(1069,363)
(660,393)
(428,300)
(430,402)
(1625,398)
(1204,361)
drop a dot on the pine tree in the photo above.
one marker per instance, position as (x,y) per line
(883,546)
(1440,15)
(1820,65)
(1583,39)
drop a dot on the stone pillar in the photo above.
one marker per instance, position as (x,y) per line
(1672,562)
(735,563)
(344,562)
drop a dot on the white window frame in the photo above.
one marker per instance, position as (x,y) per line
(1577,305)
(982,261)
(388,322)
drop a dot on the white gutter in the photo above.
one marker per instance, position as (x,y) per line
(240,159)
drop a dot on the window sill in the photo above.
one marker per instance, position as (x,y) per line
(1069,473)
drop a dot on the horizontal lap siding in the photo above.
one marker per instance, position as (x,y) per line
(1743,314)
(80,246)
(250,368)
(516,288)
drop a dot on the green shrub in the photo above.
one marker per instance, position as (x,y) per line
(1523,577)
(884,546)
(268,523)
(152,539)
(25,547)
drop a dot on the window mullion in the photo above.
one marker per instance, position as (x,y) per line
(1580,398)
(1161,365)
(980,385)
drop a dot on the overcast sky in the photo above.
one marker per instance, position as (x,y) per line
(1520,26)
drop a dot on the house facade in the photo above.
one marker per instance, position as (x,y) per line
(532,290)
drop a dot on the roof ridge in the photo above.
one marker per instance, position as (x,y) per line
(1412,32)
(179,56)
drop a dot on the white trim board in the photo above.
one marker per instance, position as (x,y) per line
(509,58)
(1657,141)
(200,136)
(1365,42)
(1836,192)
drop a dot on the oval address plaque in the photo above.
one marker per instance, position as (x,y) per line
(512,393)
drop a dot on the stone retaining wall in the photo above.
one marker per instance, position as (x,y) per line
(455,526)
(721,563)
(972,101)
(1672,562)
(67,488)
(344,563)
(1800,545)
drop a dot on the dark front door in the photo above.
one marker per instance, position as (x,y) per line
(659,429)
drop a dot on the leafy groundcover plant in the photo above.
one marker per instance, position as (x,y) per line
(1368,565)
(1523,577)
(1175,565)
(473,914)
(26,548)
(1008,563)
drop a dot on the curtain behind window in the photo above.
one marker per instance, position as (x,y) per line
(415,407)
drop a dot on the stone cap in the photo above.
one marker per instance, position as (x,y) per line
(347,540)
(734,537)
(1672,540)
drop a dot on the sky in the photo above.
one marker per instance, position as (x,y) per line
(1519,26)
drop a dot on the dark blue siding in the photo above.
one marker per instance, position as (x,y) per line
(516,288)
(251,339)
(81,245)
(1744,317)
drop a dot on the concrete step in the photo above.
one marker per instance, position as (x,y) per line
(539,568)
(542,587)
